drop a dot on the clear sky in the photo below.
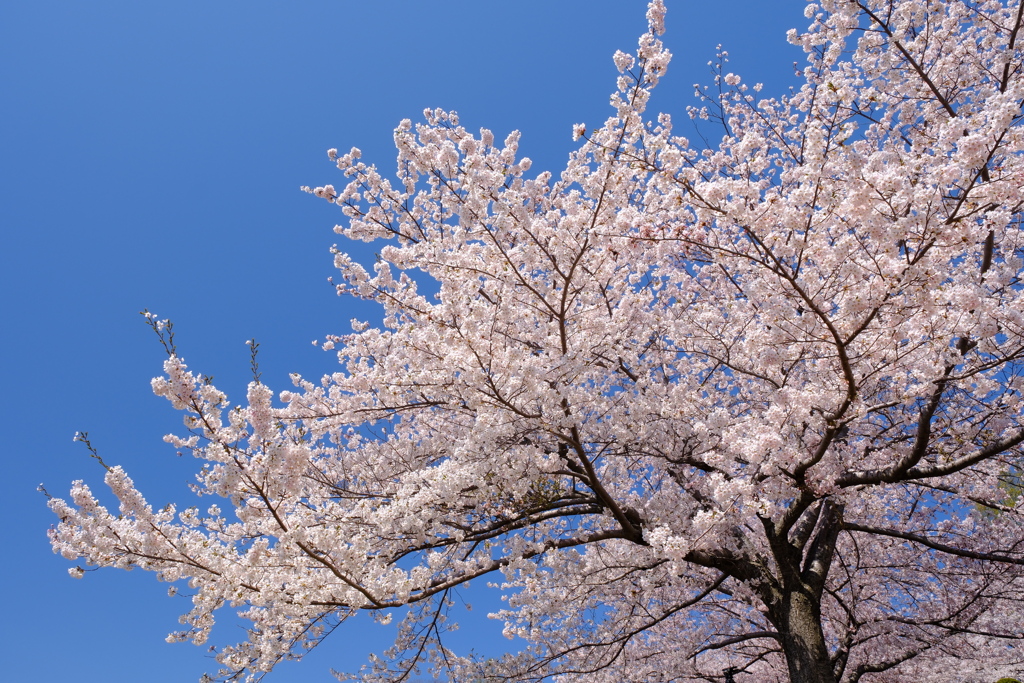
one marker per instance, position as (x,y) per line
(152,158)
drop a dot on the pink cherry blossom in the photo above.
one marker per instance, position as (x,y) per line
(755,405)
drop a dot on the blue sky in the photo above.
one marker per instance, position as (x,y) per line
(152,158)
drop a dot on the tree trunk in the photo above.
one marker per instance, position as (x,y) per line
(792,595)
(798,621)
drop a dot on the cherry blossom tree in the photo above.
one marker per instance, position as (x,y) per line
(751,406)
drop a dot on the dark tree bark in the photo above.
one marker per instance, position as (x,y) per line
(803,555)
(797,617)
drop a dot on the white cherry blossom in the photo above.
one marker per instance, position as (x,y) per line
(756,405)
